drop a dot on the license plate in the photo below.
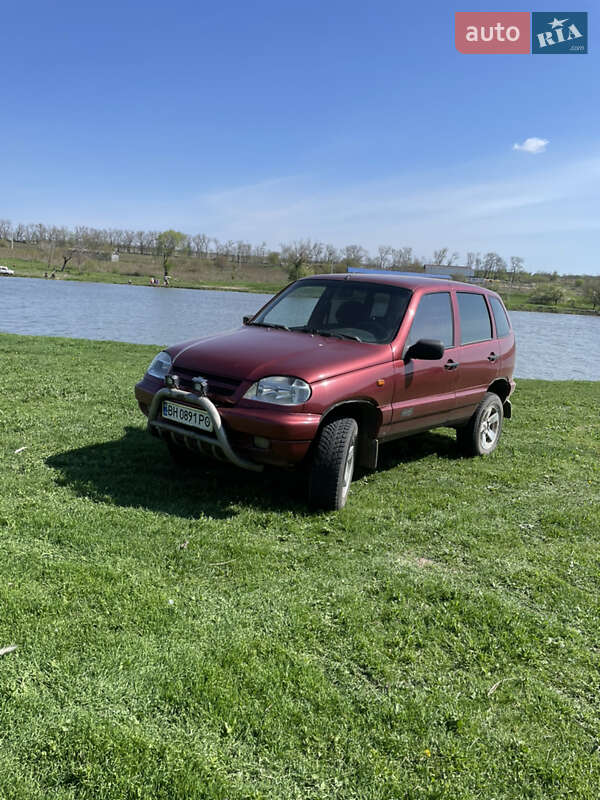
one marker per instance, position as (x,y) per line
(187,416)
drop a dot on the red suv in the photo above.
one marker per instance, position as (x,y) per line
(330,368)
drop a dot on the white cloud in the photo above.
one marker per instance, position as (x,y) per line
(532,145)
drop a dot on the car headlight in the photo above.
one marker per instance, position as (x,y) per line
(280,389)
(160,365)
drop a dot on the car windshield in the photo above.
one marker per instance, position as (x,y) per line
(360,311)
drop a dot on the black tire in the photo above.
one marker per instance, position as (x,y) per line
(333,465)
(481,434)
(181,456)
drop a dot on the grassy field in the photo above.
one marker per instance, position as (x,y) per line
(240,284)
(201,635)
(188,273)
(522,301)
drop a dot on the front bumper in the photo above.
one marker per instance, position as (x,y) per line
(289,435)
(218,444)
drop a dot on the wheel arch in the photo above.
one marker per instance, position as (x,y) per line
(501,387)
(368,417)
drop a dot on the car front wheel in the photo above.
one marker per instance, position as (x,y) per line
(333,465)
(480,435)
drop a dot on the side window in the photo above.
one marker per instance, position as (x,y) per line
(433,320)
(475,322)
(502,323)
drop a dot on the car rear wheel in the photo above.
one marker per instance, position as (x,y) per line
(481,434)
(333,465)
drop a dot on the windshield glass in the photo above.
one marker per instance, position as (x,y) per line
(366,312)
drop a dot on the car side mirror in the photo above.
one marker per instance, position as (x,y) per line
(246,318)
(426,349)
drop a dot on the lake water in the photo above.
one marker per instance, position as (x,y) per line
(550,346)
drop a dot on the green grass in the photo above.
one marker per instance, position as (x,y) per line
(521,301)
(436,639)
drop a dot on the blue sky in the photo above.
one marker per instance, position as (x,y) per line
(345,122)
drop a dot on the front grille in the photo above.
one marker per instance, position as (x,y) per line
(217,385)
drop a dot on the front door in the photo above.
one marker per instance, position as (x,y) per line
(424,391)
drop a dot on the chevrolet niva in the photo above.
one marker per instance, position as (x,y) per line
(332,367)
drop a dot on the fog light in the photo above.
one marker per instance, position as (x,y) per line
(260,441)
(200,385)
(172,380)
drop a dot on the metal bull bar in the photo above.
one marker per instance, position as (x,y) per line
(221,443)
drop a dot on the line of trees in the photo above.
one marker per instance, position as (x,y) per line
(299,257)
(122,240)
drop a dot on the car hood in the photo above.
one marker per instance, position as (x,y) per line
(251,353)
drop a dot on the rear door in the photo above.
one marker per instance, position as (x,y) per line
(478,355)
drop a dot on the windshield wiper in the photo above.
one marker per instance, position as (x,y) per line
(345,336)
(335,334)
(270,325)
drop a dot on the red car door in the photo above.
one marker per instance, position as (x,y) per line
(424,391)
(478,353)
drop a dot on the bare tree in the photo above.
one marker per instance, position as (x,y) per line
(330,256)
(153,241)
(297,256)
(241,255)
(470,260)
(402,257)
(439,255)
(383,258)
(59,235)
(260,251)
(5,228)
(354,255)
(201,244)
(493,264)
(128,239)
(144,241)
(225,249)
(442,256)
(18,233)
(516,267)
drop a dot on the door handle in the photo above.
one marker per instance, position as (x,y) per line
(451,364)
(492,357)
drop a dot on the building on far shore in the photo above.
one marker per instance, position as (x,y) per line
(449,271)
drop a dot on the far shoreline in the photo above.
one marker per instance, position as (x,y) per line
(249,288)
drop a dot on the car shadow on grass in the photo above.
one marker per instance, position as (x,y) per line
(137,471)
(441,443)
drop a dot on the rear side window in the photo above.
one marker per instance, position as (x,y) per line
(433,320)
(502,323)
(475,322)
